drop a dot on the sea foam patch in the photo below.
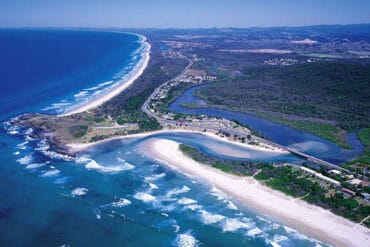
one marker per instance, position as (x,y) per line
(186,240)
(92,164)
(79,191)
(178,191)
(122,202)
(35,165)
(186,201)
(210,218)
(232,224)
(154,177)
(25,160)
(22,145)
(50,173)
(145,197)
(254,232)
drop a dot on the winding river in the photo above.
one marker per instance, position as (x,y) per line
(281,134)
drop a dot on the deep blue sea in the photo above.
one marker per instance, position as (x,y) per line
(113,194)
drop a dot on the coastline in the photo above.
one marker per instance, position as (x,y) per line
(308,218)
(77,147)
(122,85)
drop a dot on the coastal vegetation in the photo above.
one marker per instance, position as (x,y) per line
(325,130)
(172,94)
(362,163)
(289,180)
(329,96)
(126,107)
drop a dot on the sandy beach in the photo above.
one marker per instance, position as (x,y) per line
(298,214)
(77,147)
(122,85)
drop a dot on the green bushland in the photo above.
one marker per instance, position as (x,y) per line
(126,107)
(79,130)
(324,130)
(337,91)
(288,180)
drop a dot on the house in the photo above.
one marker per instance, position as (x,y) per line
(366,196)
(335,172)
(354,181)
(348,192)
(320,176)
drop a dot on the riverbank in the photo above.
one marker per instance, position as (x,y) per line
(308,218)
(122,85)
(77,147)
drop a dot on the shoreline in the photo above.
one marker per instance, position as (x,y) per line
(77,147)
(122,85)
(301,215)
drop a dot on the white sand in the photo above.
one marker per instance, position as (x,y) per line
(114,91)
(77,147)
(307,218)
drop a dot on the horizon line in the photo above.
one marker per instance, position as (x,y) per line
(178,28)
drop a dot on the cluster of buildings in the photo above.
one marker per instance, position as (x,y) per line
(349,178)
(196,76)
(281,61)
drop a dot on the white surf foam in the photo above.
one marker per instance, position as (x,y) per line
(273,244)
(186,201)
(254,232)
(232,206)
(79,191)
(145,197)
(232,225)
(50,173)
(209,218)
(44,147)
(193,207)
(122,202)
(178,191)
(186,240)
(91,164)
(154,177)
(25,160)
(16,153)
(35,165)
(153,186)
(22,145)
(280,238)
(97,213)
(28,131)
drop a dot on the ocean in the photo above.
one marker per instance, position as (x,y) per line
(112,194)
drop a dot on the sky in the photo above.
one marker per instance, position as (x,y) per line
(181,13)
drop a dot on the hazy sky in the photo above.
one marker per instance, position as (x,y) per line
(181,13)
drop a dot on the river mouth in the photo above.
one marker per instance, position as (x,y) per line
(281,134)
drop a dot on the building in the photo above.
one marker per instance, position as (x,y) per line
(320,176)
(335,172)
(348,192)
(366,196)
(355,181)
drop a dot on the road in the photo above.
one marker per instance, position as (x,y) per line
(145,106)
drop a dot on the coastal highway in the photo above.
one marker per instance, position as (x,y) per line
(145,108)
